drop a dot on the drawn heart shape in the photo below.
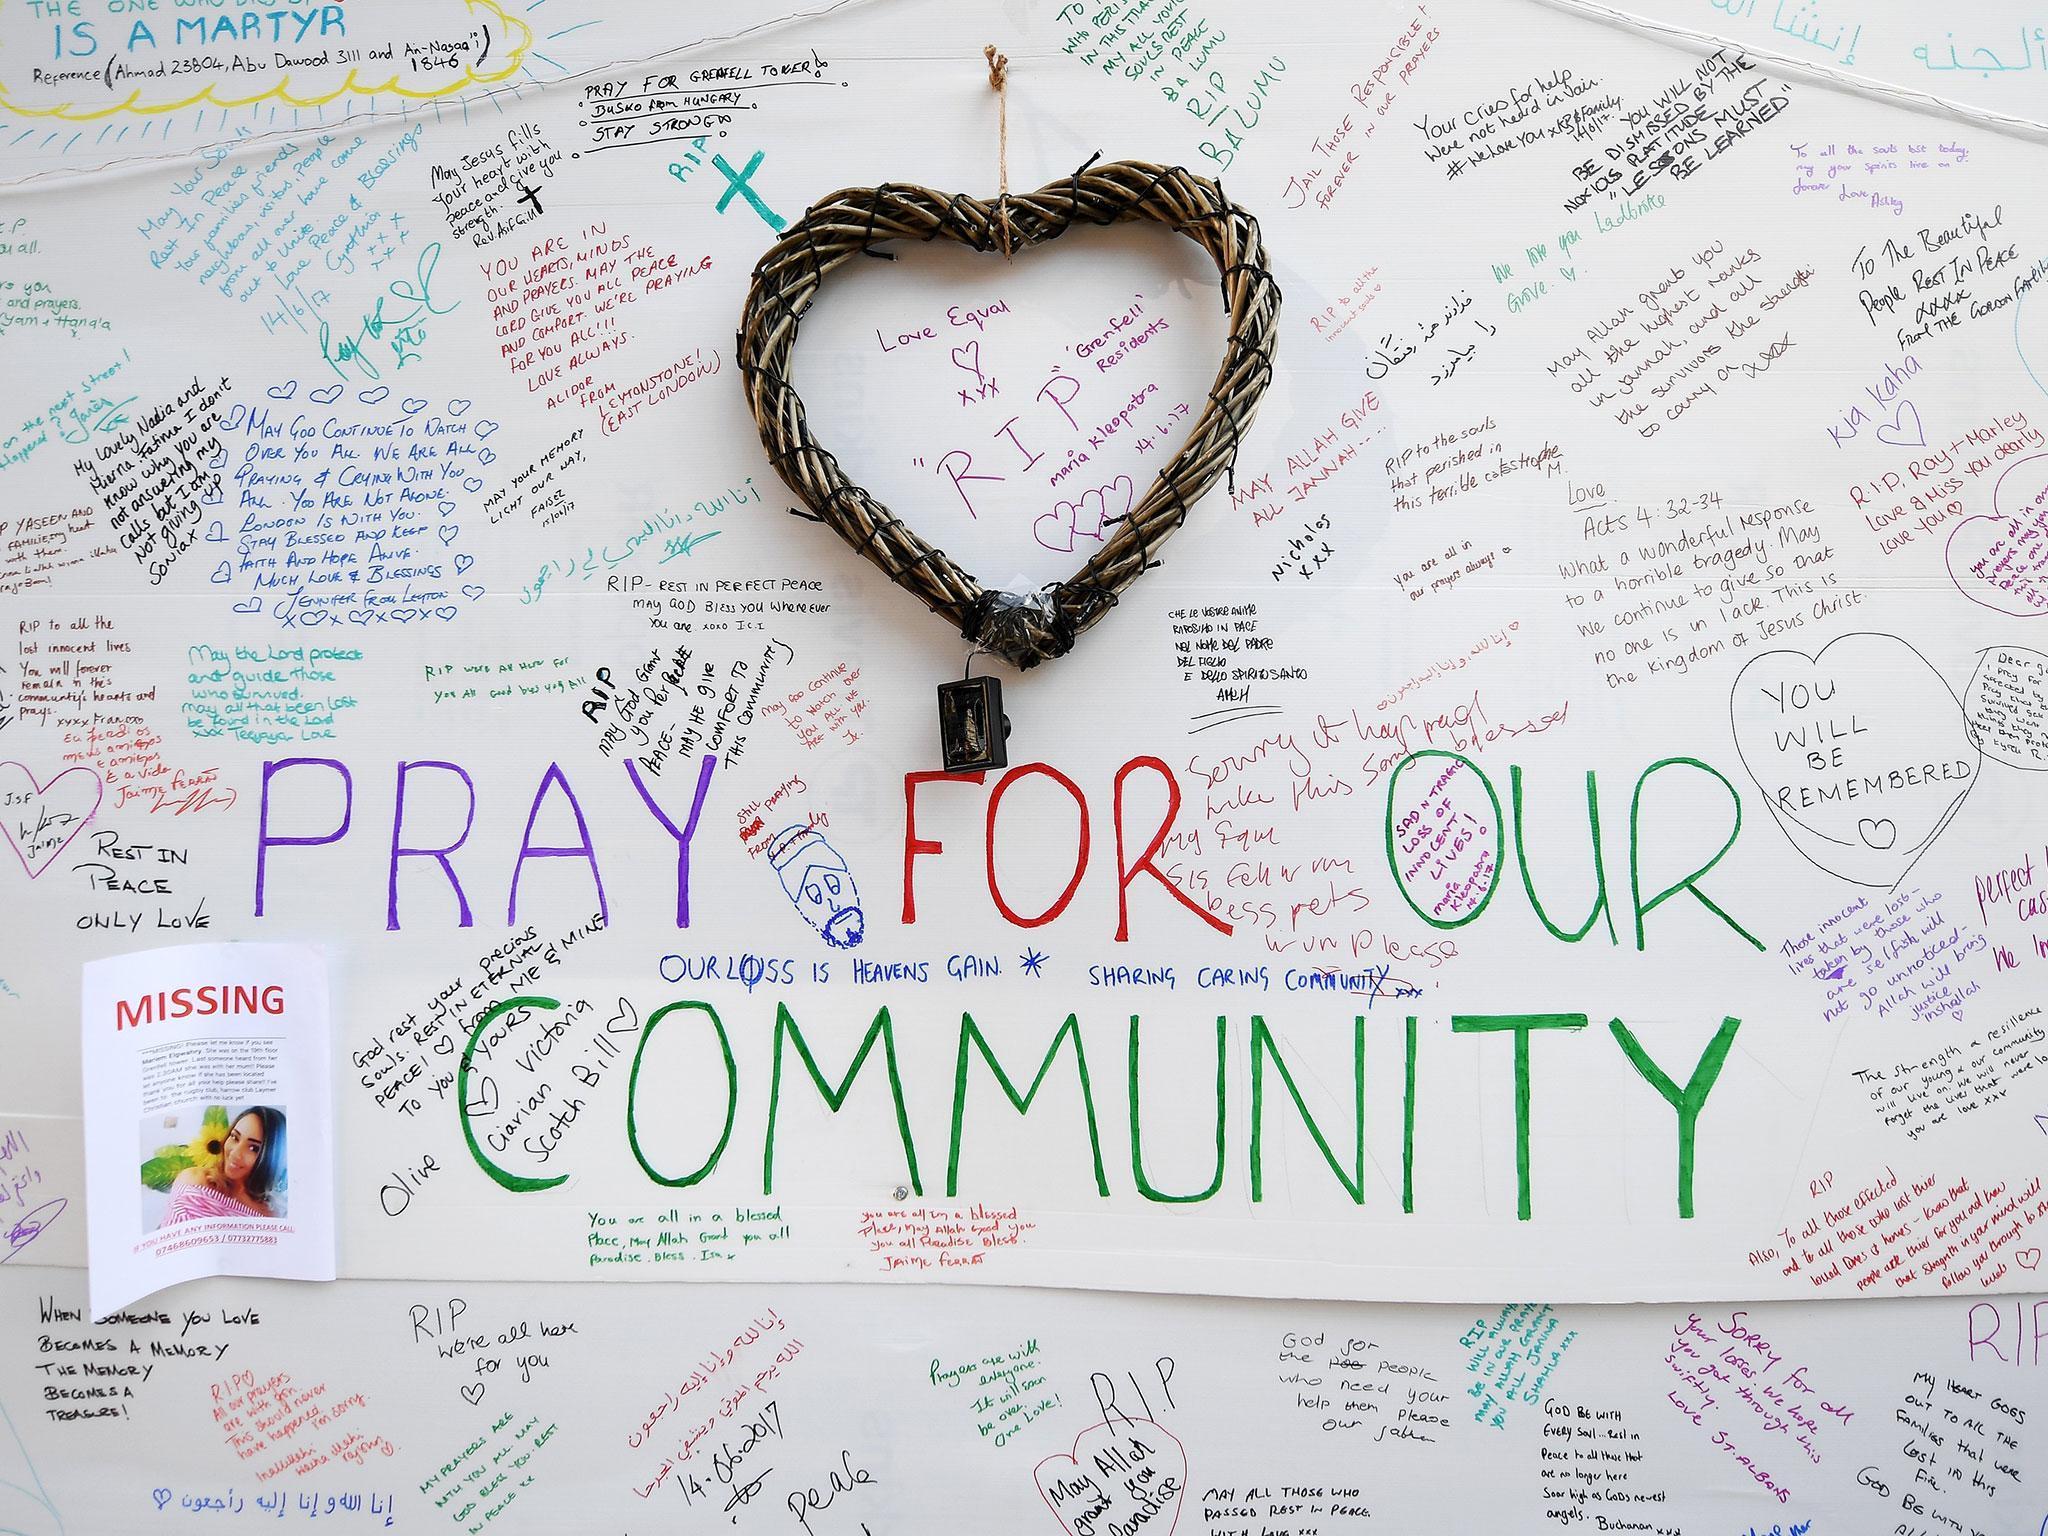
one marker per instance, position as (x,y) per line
(215,534)
(445,506)
(219,459)
(472,591)
(37,813)
(222,574)
(411,406)
(1066,544)
(473,1393)
(2001,560)
(459,407)
(375,396)
(1148,1477)
(445,612)
(1862,752)
(2007,704)
(486,428)
(1897,433)
(1078,521)
(968,358)
(2027,1258)
(161,1495)
(325,396)
(473,484)
(449,533)
(283,391)
(486,456)
(463,562)
(852,223)
(486,1101)
(249,605)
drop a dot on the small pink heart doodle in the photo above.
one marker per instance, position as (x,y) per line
(1085,516)
(40,820)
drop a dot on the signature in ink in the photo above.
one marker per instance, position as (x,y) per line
(30,1225)
(402,333)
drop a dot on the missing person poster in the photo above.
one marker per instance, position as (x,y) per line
(207,1117)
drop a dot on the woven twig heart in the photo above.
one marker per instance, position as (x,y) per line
(1024,628)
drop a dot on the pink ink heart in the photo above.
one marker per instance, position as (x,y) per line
(40,820)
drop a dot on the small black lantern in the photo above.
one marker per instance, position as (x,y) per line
(973,730)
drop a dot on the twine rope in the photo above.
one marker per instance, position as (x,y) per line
(998,77)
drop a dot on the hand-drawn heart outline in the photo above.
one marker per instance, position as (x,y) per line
(1896,426)
(1784,814)
(486,1103)
(1072,524)
(478,1388)
(283,391)
(852,222)
(1867,825)
(458,407)
(326,395)
(1073,1459)
(972,352)
(249,605)
(2020,1257)
(375,396)
(6,831)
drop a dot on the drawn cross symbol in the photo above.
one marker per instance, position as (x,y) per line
(738,184)
(531,195)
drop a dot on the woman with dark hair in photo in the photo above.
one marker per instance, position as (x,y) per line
(239,1184)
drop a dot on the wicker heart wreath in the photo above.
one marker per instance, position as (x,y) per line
(1023,628)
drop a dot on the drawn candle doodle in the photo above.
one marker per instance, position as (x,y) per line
(819,885)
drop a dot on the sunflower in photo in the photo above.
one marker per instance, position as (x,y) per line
(201,1152)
